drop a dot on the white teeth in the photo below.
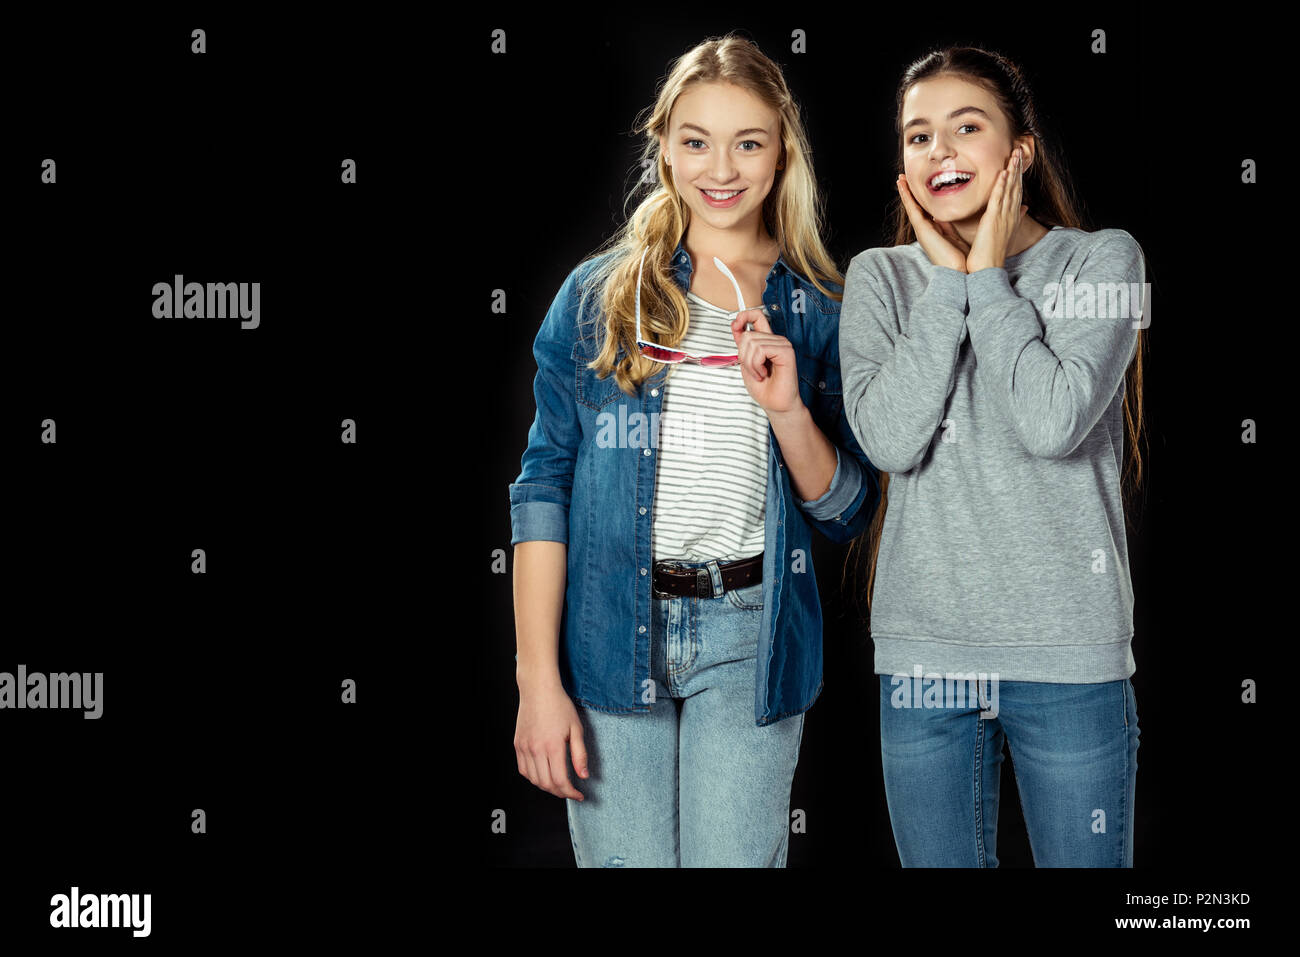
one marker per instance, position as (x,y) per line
(949,176)
(713,194)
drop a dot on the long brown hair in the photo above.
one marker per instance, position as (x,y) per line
(793,212)
(1051,201)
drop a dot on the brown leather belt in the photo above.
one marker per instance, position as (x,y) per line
(670,580)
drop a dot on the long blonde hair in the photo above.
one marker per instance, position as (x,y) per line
(793,213)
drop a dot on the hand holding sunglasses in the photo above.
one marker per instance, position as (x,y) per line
(662,354)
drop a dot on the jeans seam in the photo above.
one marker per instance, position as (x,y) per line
(979,792)
(1124,822)
(693,636)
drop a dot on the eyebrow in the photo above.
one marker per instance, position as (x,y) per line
(920,121)
(692,126)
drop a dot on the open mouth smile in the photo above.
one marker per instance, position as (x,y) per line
(948,181)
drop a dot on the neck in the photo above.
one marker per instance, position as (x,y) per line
(745,242)
(1027,233)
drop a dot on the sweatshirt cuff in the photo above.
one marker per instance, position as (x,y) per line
(988,287)
(993,299)
(948,286)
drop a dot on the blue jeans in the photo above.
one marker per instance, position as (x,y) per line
(694,783)
(1075,753)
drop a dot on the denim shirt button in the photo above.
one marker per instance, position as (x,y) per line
(641,629)
(654,391)
(821,385)
(641,510)
(776,307)
(643,570)
(645,451)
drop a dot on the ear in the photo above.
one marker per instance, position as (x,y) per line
(1028,146)
(663,148)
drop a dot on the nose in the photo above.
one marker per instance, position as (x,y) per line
(722,169)
(941,148)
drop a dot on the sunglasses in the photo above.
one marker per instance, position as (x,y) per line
(661,354)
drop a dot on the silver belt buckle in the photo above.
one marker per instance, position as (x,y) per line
(703,583)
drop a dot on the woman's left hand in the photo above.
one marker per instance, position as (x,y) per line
(767,363)
(1001,218)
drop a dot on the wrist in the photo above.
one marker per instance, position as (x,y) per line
(532,678)
(795,417)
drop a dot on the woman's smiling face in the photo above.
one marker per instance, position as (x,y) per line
(955,126)
(722,140)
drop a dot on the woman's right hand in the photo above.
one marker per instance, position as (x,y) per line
(547,720)
(939,246)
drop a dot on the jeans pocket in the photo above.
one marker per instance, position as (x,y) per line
(747,597)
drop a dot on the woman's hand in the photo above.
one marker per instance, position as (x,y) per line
(939,240)
(767,364)
(547,719)
(1001,218)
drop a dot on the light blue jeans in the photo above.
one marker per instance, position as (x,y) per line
(1075,753)
(694,783)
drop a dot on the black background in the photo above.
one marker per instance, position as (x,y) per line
(221,691)
(330,823)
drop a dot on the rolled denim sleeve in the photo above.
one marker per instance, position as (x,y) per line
(847,507)
(844,489)
(539,497)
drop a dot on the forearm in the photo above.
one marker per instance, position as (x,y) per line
(809,455)
(896,383)
(1053,395)
(539,582)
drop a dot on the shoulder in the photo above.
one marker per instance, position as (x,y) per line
(1101,252)
(880,263)
(824,301)
(1115,241)
(1111,242)
(577,300)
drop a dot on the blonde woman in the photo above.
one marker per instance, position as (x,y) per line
(689,436)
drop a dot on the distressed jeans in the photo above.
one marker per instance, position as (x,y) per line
(1075,753)
(694,783)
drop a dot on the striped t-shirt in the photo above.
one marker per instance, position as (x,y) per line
(711,479)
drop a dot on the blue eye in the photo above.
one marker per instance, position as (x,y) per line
(757,146)
(689,142)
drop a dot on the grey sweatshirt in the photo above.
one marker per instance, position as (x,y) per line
(994,401)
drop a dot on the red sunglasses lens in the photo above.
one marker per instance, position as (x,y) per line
(663,355)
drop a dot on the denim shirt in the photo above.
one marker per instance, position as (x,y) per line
(597,500)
